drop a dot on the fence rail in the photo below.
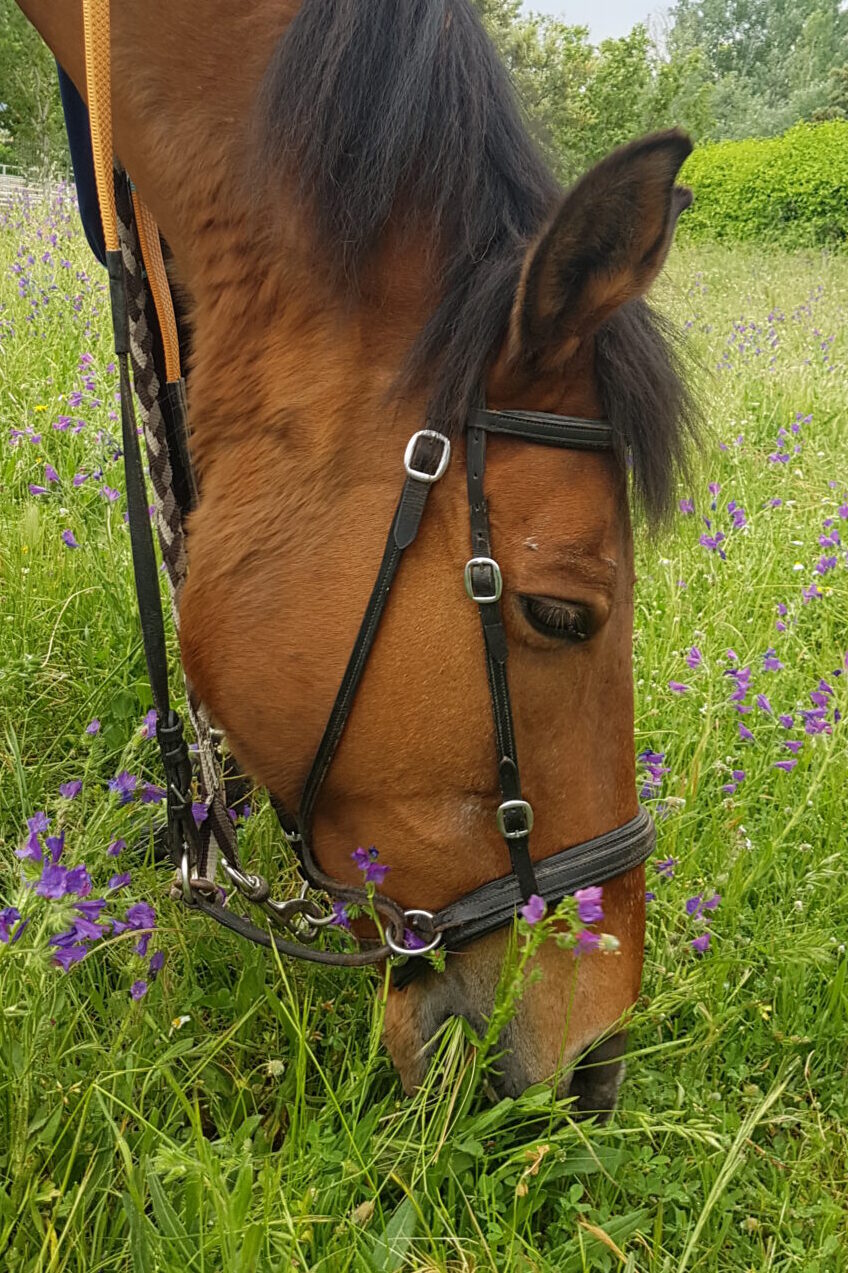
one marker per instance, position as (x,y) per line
(15,182)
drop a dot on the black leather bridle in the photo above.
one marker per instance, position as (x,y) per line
(473,915)
(593,862)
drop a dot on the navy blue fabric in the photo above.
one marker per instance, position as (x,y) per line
(79,141)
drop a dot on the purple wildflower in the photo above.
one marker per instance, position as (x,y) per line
(109,493)
(786,765)
(589,909)
(534,909)
(138,990)
(141,915)
(771,663)
(199,812)
(143,942)
(91,908)
(38,822)
(151,794)
(115,847)
(119,881)
(688,506)
(699,944)
(364,857)
(412,941)
(35,489)
(123,786)
(31,850)
(763,704)
(68,539)
(93,727)
(50,474)
(70,790)
(9,916)
(786,720)
(745,733)
(586,940)
(157,959)
(65,956)
(677,687)
(148,725)
(340,916)
(694,658)
(55,845)
(794,745)
(666,867)
(376,873)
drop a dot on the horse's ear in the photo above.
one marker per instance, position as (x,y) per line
(605,245)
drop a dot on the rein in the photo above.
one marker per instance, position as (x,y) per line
(145,330)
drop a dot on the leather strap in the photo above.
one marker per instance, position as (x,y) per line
(486,584)
(493,905)
(571,432)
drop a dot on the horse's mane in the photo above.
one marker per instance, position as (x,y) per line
(381,104)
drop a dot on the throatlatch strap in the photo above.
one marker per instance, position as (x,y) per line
(486,584)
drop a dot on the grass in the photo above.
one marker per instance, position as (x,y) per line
(242,1115)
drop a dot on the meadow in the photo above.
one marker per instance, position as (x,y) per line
(179,1100)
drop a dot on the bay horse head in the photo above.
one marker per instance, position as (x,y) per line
(367,242)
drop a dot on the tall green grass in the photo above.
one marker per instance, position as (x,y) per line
(242,1115)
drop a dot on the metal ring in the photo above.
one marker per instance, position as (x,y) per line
(507,807)
(398,949)
(477,563)
(185,879)
(421,475)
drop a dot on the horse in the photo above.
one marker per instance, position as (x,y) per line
(366,240)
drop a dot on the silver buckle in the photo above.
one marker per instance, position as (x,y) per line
(421,475)
(397,949)
(497,580)
(507,807)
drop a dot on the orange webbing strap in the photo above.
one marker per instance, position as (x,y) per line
(160,289)
(95,17)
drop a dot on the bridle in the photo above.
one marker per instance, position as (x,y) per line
(141,303)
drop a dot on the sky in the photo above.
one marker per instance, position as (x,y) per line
(602,17)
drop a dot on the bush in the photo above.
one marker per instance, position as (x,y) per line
(791,190)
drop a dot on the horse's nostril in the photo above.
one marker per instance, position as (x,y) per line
(597,1077)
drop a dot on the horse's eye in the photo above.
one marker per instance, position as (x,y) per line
(563,620)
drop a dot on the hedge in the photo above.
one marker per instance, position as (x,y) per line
(791,190)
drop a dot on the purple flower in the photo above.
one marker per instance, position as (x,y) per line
(714,488)
(143,942)
(38,822)
(65,956)
(794,745)
(786,720)
(586,940)
(199,812)
(589,909)
(364,857)
(8,917)
(138,990)
(151,794)
(123,785)
(119,881)
(700,944)
(115,847)
(412,941)
(50,474)
(688,505)
(141,915)
(694,658)
(79,478)
(763,704)
(649,896)
(148,725)
(340,916)
(55,845)
(677,687)
(68,539)
(31,850)
(78,881)
(34,489)
(745,733)
(376,873)
(70,790)
(666,867)
(157,959)
(93,727)
(696,905)
(109,493)
(786,765)
(91,909)
(534,909)
(771,663)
